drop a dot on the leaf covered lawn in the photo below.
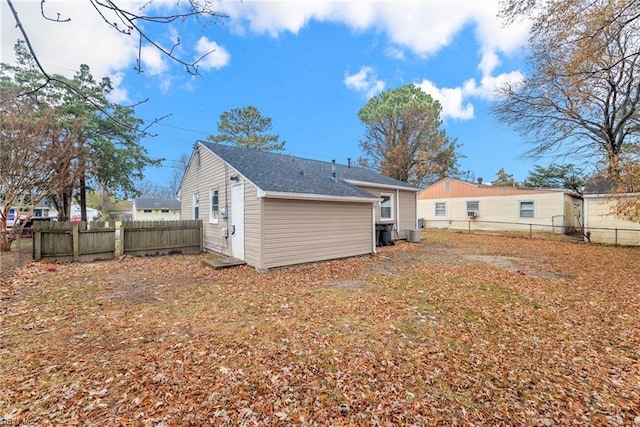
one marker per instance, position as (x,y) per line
(457,330)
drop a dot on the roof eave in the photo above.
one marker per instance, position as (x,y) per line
(320,197)
(375,184)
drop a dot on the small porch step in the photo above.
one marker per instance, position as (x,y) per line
(218,262)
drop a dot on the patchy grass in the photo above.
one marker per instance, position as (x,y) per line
(460,329)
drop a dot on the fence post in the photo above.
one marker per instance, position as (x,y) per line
(530,231)
(616,237)
(75,238)
(121,248)
(37,245)
(469,222)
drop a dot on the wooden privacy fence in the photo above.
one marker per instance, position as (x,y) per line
(160,237)
(80,241)
(73,241)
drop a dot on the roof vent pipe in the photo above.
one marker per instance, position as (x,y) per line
(349,162)
(479,180)
(333,168)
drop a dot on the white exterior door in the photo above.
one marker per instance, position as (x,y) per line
(237,221)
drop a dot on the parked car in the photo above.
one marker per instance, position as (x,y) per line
(26,230)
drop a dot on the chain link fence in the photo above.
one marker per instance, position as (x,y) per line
(598,235)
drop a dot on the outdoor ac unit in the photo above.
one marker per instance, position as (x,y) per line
(472,214)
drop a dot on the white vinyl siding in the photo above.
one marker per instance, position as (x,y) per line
(300,231)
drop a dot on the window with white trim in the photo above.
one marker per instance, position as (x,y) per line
(196,205)
(527,209)
(386,207)
(473,205)
(215,205)
(441,208)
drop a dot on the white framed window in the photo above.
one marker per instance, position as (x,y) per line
(386,207)
(196,205)
(527,209)
(214,198)
(446,185)
(441,208)
(473,208)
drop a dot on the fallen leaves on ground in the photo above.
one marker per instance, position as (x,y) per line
(457,330)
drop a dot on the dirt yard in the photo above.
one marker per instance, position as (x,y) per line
(457,330)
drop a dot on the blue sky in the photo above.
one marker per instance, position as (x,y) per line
(308,65)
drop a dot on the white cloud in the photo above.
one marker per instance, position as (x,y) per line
(118,94)
(451,100)
(216,55)
(153,61)
(420,26)
(394,52)
(63,46)
(456,102)
(365,81)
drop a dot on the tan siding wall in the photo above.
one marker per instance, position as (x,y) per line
(405,200)
(496,208)
(300,231)
(211,174)
(252,225)
(598,216)
(407,214)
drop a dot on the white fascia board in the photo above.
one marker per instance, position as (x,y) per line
(320,197)
(373,184)
(609,195)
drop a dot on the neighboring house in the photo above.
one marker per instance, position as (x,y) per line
(45,210)
(599,221)
(452,203)
(156,209)
(272,210)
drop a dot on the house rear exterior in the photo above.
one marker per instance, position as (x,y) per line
(452,203)
(272,210)
(600,222)
(148,209)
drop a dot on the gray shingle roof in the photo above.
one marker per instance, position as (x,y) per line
(273,172)
(142,203)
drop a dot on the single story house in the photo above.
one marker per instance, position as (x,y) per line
(600,222)
(453,203)
(45,210)
(272,210)
(145,209)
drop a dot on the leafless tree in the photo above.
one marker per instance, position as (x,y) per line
(582,95)
(30,157)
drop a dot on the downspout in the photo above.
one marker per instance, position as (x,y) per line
(373,228)
(397,213)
